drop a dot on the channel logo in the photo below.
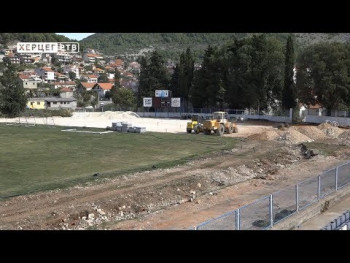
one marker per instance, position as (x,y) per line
(47,47)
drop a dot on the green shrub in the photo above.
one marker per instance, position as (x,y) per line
(47,113)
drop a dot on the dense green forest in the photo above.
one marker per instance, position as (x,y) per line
(255,72)
(8,38)
(171,45)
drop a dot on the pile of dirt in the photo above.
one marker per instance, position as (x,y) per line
(332,131)
(345,137)
(119,115)
(293,136)
(324,125)
(310,131)
(110,115)
(265,136)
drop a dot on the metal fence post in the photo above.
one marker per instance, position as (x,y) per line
(336,178)
(297,196)
(271,210)
(238,219)
(319,188)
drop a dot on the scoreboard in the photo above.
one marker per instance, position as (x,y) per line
(162,99)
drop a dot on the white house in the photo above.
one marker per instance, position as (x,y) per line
(92,78)
(45,73)
(91,58)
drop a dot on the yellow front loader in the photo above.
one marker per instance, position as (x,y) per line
(219,124)
(196,124)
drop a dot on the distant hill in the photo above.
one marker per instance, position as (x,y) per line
(172,44)
(169,44)
(8,38)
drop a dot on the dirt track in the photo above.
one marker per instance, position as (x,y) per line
(176,198)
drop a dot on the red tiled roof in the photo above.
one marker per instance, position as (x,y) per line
(66,90)
(22,76)
(47,69)
(92,76)
(88,85)
(105,86)
(119,62)
(60,74)
(65,83)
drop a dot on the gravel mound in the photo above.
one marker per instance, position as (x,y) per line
(265,136)
(293,136)
(312,132)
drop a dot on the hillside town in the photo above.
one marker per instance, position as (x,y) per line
(55,80)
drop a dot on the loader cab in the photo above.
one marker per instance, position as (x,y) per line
(220,116)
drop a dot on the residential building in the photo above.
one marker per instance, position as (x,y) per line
(65,84)
(118,63)
(26,59)
(60,103)
(134,67)
(87,85)
(36,103)
(99,71)
(91,58)
(63,57)
(73,68)
(29,83)
(102,88)
(92,78)
(66,93)
(45,73)
(61,77)
(12,59)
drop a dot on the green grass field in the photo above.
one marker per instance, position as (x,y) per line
(39,158)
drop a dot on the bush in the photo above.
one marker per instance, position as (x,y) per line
(47,113)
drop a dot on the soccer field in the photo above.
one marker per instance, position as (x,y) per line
(41,157)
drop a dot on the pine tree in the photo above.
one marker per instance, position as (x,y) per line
(153,76)
(12,95)
(289,92)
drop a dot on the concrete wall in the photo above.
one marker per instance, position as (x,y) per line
(319,119)
(313,210)
(60,105)
(245,116)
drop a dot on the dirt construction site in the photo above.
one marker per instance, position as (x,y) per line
(268,157)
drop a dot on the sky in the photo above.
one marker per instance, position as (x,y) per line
(77,36)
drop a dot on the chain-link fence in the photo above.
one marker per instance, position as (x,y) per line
(225,222)
(343,175)
(255,216)
(284,203)
(307,192)
(327,182)
(270,210)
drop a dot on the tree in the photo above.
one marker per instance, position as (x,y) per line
(124,98)
(143,90)
(103,78)
(174,82)
(253,72)
(153,76)
(185,75)
(288,92)
(72,75)
(207,80)
(323,75)
(12,94)
(88,68)
(117,79)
